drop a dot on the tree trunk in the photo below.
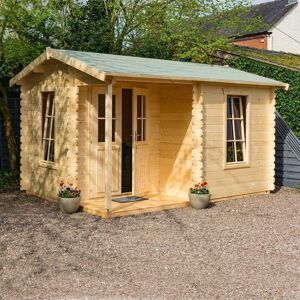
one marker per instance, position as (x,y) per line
(8,128)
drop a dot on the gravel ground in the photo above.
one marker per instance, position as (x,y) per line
(240,249)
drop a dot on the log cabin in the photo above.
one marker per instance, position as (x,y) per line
(119,126)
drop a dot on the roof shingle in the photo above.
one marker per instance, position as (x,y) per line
(101,65)
(270,12)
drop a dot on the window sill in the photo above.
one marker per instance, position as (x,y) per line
(236,166)
(47,165)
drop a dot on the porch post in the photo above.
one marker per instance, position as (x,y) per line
(197,134)
(108,145)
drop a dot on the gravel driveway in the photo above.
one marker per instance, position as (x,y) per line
(237,249)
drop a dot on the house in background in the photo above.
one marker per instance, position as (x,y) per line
(281,30)
(118,125)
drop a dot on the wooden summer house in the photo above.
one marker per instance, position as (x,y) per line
(118,125)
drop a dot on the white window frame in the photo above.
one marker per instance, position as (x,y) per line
(47,140)
(143,119)
(245,138)
(114,118)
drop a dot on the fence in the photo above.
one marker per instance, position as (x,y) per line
(287,155)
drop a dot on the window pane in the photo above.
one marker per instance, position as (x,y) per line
(144,130)
(46,145)
(44,103)
(238,129)
(49,133)
(229,130)
(229,112)
(114,106)
(101,130)
(139,130)
(48,126)
(113,130)
(139,106)
(144,106)
(236,107)
(53,126)
(44,106)
(244,108)
(51,101)
(230,152)
(239,151)
(51,154)
(101,106)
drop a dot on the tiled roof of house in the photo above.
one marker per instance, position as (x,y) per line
(270,12)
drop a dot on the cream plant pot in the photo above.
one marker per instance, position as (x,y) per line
(69,205)
(199,201)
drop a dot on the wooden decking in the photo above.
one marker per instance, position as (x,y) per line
(153,203)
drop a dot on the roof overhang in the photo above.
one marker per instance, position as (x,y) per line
(190,80)
(61,57)
(251,35)
(122,76)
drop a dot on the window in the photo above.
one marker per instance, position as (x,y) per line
(236,129)
(141,118)
(101,118)
(48,125)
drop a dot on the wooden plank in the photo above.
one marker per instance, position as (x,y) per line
(197,134)
(108,146)
(242,189)
(175,140)
(260,140)
(155,202)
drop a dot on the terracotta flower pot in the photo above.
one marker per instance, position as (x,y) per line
(199,201)
(69,205)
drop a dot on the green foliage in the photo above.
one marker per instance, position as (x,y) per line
(169,29)
(27,27)
(89,28)
(197,27)
(17,54)
(283,59)
(172,29)
(8,181)
(287,102)
(200,188)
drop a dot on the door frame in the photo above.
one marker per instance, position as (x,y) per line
(94,144)
(144,92)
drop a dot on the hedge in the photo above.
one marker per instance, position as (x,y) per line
(287,102)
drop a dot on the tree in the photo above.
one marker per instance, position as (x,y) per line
(201,28)
(89,28)
(172,29)
(26,28)
(107,25)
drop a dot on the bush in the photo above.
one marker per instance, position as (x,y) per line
(8,181)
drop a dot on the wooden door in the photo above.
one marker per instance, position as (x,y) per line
(140,154)
(97,153)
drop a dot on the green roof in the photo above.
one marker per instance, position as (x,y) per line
(102,65)
(281,59)
(118,65)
